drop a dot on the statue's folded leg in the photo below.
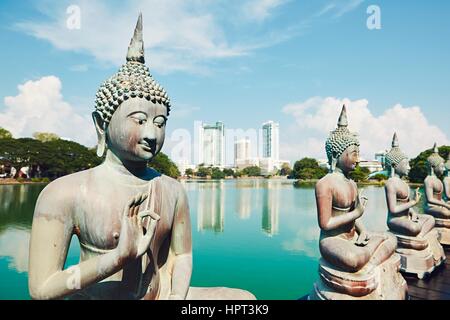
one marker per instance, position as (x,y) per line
(218,293)
(384,250)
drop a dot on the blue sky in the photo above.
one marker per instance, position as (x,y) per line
(242,62)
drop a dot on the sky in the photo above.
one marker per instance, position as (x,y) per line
(242,62)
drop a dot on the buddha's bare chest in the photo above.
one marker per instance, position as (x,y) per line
(344,195)
(98,222)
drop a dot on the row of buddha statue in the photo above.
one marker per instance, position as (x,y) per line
(357,264)
(133,223)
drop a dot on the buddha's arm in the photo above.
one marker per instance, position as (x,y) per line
(50,240)
(431,199)
(391,199)
(181,246)
(325,207)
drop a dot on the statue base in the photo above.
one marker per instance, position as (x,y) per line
(383,282)
(443,227)
(420,255)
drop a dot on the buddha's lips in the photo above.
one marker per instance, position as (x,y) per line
(146,147)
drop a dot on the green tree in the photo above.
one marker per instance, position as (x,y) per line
(189,172)
(285,170)
(45,136)
(5,134)
(228,172)
(379,177)
(418,165)
(218,174)
(308,169)
(359,174)
(253,171)
(203,172)
(164,165)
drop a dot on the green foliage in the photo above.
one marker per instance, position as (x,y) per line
(285,170)
(253,171)
(55,158)
(45,136)
(189,172)
(308,169)
(359,174)
(217,174)
(418,165)
(5,134)
(164,165)
(228,172)
(379,177)
(203,172)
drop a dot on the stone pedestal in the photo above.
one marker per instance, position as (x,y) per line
(420,255)
(383,282)
(443,227)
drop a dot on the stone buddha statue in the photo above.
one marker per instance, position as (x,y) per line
(355,264)
(434,194)
(417,239)
(132,223)
(446,180)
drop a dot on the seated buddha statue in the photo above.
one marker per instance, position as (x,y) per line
(435,204)
(446,180)
(350,253)
(132,222)
(417,239)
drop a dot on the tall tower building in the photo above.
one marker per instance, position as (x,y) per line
(212,145)
(242,150)
(271,140)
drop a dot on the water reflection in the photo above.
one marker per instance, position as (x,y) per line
(211,207)
(271,208)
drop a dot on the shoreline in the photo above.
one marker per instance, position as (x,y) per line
(9,182)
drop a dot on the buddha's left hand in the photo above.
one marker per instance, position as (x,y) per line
(362,240)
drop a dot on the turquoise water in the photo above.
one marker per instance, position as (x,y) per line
(259,235)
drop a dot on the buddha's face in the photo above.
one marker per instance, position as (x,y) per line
(136,131)
(439,169)
(403,168)
(349,159)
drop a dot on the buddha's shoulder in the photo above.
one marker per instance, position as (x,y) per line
(66,187)
(170,184)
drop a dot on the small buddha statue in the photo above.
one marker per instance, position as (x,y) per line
(133,223)
(418,243)
(435,204)
(352,257)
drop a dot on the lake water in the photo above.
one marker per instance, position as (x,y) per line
(259,235)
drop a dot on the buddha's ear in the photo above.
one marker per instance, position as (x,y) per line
(101,134)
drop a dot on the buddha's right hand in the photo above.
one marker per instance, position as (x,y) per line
(417,196)
(132,239)
(361,202)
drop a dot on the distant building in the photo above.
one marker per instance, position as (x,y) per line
(212,145)
(183,165)
(271,140)
(242,151)
(381,157)
(373,166)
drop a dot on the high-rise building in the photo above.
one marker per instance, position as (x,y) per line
(212,145)
(241,150)
(271,140)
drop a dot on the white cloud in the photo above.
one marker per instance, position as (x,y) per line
(40,106)
(14,244)
(317,116)
(260,10)
(338,8)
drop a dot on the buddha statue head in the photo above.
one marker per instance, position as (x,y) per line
(436,162)
(131,109)
(396,161)
(342,146)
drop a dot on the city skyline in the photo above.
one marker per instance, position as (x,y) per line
(242,62)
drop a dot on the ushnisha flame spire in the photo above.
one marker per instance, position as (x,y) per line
(341,138)
(435,159)
(395,156)
(133,80)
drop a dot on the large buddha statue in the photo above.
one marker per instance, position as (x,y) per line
(446,180)
(356,263)
(132,223)
(418,243)
(434,193)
